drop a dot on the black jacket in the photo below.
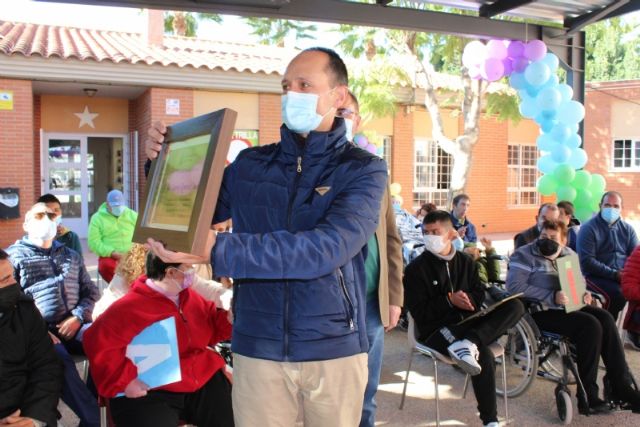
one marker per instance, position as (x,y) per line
(30,370)
(427,282)
(525,237)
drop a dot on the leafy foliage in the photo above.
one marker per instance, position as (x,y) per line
(186,23)
(276,31)
(613,50)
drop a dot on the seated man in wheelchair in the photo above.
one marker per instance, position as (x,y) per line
(533,271)
(442,288)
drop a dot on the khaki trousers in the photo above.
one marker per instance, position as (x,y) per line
(267,393)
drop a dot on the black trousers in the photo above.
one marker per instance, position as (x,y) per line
(482,332)
(210,406)
(593,332)
(612,291)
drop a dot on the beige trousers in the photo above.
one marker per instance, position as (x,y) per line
(267,393)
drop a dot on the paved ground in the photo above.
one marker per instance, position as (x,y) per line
(535,408)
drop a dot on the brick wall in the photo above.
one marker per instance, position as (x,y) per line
(17,154)
(270,118)
(37,125)
(402,154)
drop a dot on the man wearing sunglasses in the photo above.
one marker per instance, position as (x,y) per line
(57,280)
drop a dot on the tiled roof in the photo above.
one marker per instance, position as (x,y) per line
(85,44)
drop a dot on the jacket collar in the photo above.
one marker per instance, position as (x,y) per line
(140,287)
(316,143)
(26,242)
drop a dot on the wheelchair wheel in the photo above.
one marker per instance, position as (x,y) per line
(521,355)
(564,405)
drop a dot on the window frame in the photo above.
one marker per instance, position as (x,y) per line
(432,149)
(520,189)
(635,158)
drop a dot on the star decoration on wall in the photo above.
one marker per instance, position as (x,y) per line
(86,118)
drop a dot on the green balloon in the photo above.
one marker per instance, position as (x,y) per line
(566,193)
(564,173)
(583,214)
(583,198)
(547,185)
(598,184)
(595,202)
(582,179)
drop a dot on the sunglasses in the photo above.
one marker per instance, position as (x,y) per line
(39,215)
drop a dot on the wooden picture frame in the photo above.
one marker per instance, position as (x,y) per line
(184,182)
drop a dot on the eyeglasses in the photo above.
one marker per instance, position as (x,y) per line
(39,215)
(346,113)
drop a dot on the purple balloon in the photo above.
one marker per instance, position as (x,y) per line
(474,53)
(361,141)
(492,69)
(371,148)
(535,50)
(519,64)
(508,68)
(515,49)
(496,49)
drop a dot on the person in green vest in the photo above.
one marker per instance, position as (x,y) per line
(110,233)
(64,235)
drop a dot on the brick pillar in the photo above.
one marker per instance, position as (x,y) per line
(269,118)
(17,154)
(37,125)
(402,155)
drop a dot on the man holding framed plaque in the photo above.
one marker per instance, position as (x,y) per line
(302,213)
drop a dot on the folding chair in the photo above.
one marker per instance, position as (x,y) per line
(435,356)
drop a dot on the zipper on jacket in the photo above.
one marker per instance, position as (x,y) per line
(343,286)
(286,320)
(295,190)
(446,263)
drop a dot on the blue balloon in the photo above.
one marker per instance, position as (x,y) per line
(549,99)
(578,158)
(572,112)
(560,153)
(574,127)
(546,164)
(573,141)
(532,91)
(537,73)
(551,60)
(560,132)
(553,81)
(528,107)
(546,122)
(546,142)
(566,91)
(517,81)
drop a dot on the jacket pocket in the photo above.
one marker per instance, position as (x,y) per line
(347,300)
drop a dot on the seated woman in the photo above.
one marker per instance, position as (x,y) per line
(533,271)
(203,395)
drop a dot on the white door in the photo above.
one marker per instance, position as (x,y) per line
(64,161)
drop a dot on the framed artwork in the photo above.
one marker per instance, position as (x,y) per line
(184,181)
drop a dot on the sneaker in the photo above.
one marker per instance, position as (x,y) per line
(633,340)
(465,354)
(492,424)
(628,397)
(599,406)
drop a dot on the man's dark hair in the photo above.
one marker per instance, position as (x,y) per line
(567,207)
(437,216)
(459,198)
(428,207)
(555,225)
(48,198)
(156,268)
(611,193)
(546,205)
(3,255)
(336,65)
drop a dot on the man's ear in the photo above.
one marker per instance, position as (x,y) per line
(341,96)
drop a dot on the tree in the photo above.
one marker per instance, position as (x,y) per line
(275,31)
(613,50)
(185,24)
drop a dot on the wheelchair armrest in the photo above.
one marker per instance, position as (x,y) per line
(598,297)
(532,305)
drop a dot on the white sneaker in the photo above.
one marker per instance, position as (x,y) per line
(465,354)
(493,424)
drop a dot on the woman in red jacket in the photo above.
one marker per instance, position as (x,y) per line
(203,395)
(631,292)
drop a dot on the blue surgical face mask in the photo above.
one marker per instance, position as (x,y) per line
(299,111)
(58,220)
(117,210)
(349,125)
(610,215)
(458,244)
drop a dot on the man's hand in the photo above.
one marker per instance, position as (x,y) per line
(153,145)
(54,339)
(171,257)
(462,231)
(135,389)
(394,317)
(619,276)
(15,420)
(116,255)
(486,243)
(461,300)
(561,298)
(587,298)
(230,312)
(69,327)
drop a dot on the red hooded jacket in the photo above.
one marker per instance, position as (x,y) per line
(631,277)
(198,325)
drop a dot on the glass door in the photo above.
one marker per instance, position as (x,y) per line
(65,176)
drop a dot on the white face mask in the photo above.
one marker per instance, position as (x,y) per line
(41,230)
(434,244)
(349,125)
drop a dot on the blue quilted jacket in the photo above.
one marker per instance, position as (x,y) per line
(55,278)
(302,214)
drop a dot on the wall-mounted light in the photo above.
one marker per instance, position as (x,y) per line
(90,92)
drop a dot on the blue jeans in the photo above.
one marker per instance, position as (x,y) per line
(375,335)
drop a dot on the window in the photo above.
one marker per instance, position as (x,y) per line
(432,174)
(386,151)
(522,175)
(626,154)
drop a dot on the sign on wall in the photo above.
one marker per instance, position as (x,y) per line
(172,107)
(6,100)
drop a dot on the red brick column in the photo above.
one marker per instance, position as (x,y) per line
(402,155)
(270,118)
(17,154)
